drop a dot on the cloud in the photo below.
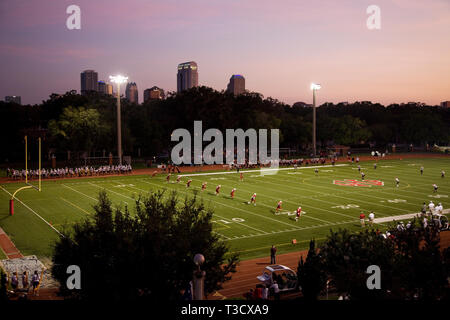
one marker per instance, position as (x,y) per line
(49,54)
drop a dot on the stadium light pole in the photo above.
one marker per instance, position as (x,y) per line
(119,80)
(314,88)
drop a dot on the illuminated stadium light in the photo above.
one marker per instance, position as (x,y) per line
(118,79)
(315,86)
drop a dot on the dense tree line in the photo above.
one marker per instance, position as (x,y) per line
(146,254)
(411,263)
(87,124)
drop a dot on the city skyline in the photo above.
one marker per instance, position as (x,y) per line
(280,47)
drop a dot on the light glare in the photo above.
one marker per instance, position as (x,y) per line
(315,86)
(118,79)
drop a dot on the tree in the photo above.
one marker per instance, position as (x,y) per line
(148,254)
(411,264)
(80,127)
(311,274)
(346,257)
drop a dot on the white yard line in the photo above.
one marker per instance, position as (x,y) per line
(286,231)
(260,171)
(322,187)
(246,211)
(353,192)
(49,224)
(119,194)
(79,192)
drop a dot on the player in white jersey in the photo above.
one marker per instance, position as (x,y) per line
(371,218)
(397,182)
(435,188)
(431,206)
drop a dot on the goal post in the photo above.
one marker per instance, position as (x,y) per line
(28,185)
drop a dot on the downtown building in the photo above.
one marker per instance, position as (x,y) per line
(105,88)
(131,92)
(153,93)
(89,81)
(187,76)
(13,99)
(236,85)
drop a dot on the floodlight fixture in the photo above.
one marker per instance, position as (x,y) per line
(315,86)
(118,79)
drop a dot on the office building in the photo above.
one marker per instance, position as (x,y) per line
(154,93)
(187,76)
(14,99)
(236,85)
(131,92)
(89,81)
(102,87)
(445,104)
(109,89)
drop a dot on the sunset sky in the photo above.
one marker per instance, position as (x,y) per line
(279,46)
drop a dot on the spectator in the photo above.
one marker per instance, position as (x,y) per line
(258,293)
(273,252)
(276,290)
(35,281)
(25,283)
(249,295)
(265,293)
(14,281)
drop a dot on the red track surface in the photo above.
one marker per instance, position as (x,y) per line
(247,271)
(8,246)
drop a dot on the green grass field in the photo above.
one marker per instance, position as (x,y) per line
(249,229)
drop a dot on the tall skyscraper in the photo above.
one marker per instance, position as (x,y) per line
(89,81)
(236,85)
(102,87)
(131,92)
(109,89)
(15,99)
(154,93)
(187,76)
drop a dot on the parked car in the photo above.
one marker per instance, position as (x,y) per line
(285,277)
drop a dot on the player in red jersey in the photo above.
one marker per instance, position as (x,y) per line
(362,218)
(242,176)
(279,206)
(232,193)
(298,213)
(253,199)
(218,189)
(188,183)
(178,179)
(204,185)
(168,178)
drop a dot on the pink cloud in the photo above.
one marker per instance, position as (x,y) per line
(49,54)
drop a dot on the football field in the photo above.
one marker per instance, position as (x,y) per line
(332,198)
